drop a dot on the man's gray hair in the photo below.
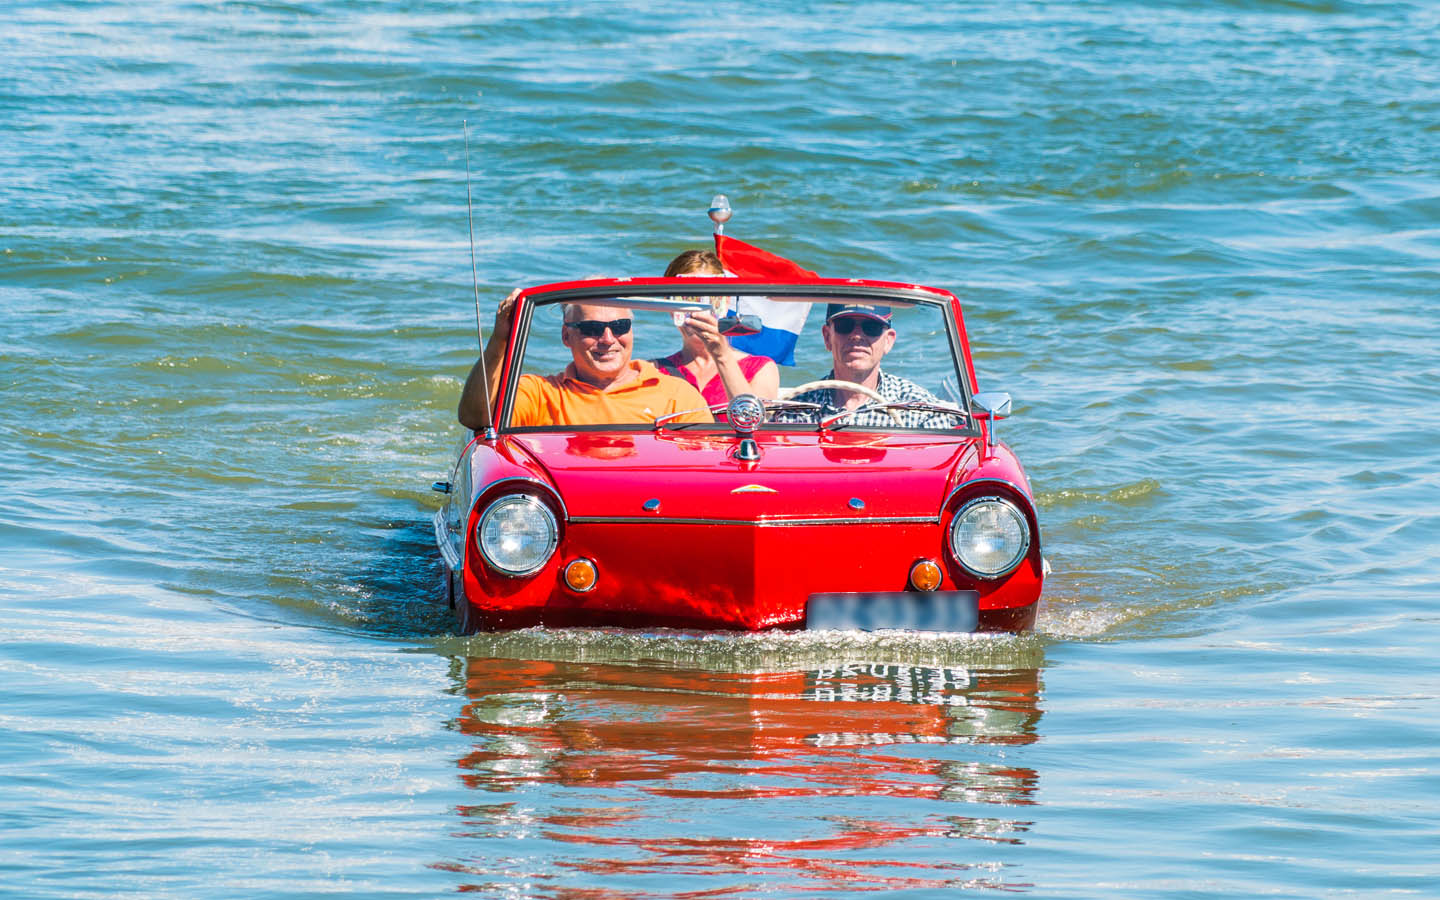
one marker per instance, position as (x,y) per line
(567,308)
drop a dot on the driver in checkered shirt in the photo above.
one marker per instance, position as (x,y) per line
(858,335)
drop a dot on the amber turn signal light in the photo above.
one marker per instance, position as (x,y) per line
(925,575)
(580,575)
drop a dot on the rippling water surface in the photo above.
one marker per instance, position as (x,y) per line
(1197,242)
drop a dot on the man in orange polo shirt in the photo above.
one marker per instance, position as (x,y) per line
(601,386)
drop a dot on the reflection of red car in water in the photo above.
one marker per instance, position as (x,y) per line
(829,735)
(897,514)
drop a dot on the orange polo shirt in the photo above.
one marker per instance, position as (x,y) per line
(566,400)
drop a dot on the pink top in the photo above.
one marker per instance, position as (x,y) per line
(714,389)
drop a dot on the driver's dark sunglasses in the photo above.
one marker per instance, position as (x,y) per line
(871,327)
(592,328)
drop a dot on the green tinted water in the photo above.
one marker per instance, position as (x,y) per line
(1198,245)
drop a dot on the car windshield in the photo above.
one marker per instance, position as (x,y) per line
(910,341)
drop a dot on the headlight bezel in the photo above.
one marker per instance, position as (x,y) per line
(488,553)
(1013,563)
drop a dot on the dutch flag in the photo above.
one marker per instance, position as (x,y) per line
(780,323)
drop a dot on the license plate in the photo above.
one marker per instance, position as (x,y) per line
(903,610)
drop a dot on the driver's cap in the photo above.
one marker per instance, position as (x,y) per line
(867,310)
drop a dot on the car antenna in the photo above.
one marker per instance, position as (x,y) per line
(475,281)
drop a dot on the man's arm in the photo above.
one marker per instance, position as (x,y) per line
(474,409)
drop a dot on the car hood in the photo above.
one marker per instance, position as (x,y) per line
(800,476)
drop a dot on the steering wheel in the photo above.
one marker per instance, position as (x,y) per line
(833,384)
(838,384)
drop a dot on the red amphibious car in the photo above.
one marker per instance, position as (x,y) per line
(905,513)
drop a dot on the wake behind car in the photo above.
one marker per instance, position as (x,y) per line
(801,511)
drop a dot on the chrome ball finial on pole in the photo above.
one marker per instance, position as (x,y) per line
(720,212)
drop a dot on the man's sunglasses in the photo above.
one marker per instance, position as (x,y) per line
(871,327)
(592,328)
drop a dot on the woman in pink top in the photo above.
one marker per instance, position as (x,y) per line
(706,359)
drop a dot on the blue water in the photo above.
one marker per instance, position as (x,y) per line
(1197,242)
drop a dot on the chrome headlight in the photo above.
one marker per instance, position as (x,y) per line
(989,536)
(516,534)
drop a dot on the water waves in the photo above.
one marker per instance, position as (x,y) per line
(1196,243)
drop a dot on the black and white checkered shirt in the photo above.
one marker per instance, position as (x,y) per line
(890,387)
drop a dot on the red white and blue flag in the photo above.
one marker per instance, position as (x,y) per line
(781,322)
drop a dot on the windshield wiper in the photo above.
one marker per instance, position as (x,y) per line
(662,422)
(666,421)
(894,407)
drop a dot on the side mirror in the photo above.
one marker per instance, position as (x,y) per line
(735,326)
(992,406)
